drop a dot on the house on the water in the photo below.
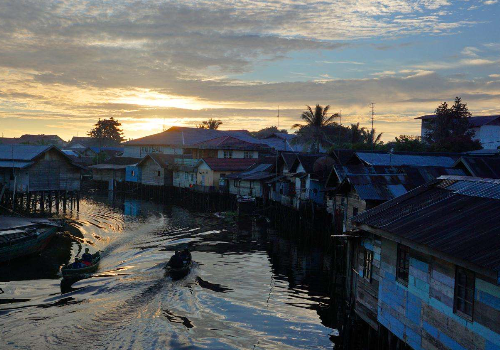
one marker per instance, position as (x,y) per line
(212,171)
(253,182)
(112,170)
(486,129)
(26,168)
(156,169)
(427,266)
(228,147)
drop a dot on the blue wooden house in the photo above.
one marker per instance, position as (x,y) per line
(428,266)
(133,173)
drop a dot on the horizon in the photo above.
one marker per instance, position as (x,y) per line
(152,65)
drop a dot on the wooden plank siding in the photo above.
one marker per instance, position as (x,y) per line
(50,172)
(152,173)
(422,314)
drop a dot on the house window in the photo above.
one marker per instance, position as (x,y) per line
(159,173)
(463,304)
(403,264)
(248,154)
(367,265)
(235,183)
(228,154)
(354,211)
(186,176)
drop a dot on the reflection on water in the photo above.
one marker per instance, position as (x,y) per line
(248,288)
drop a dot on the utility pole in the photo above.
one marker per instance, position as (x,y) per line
(372,105)
(278,118)
(373,130)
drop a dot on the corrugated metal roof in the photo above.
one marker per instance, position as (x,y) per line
(457,216)
(230,164)
(405,159)
(486,167)
(21,152)
(14,164)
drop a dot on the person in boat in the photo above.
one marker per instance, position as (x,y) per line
(87,257)
(176,260)
(77,264)
(185,255)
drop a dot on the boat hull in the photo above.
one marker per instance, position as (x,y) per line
(67,272)
(29,247)
(177,274)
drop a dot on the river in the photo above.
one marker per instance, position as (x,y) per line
(250,288)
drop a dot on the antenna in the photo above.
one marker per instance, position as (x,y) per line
(278,118)
(372,105)
(373,130)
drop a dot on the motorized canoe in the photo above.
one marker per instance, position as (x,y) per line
(24,236)
(181,272)
(68,271)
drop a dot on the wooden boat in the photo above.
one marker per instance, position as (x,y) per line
(24,236)
(68,271)
(181,272)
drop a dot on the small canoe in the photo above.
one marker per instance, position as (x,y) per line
(181,272)
(68,271)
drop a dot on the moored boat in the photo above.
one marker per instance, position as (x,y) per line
(24,236)
(69,270)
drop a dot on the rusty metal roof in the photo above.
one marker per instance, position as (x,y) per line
(454,215)
(486,167)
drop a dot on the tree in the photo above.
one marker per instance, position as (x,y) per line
(370,138)
(108,131)
(314,131)
(211,124)
(451,125)
(263,133)
(407,143)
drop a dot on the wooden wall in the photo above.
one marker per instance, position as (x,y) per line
(421,314)
(108,174)
(51,172)
(152,173)
(367,290)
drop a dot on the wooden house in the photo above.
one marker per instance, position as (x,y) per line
(25,168)
(212,170)
(309,174)
(428,266)
(228,147)
(185,172)
(253,182)
(156,169)
(367,180)
(113,169)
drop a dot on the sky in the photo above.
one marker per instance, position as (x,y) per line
(153,64)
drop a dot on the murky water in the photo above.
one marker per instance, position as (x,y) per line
(249,288)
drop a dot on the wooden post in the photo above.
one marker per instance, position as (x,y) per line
(64,201)
(58,193)
(78,201)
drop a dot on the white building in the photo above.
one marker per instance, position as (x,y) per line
(486,129)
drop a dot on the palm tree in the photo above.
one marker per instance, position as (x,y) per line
(371,139)
(316,122)
(357,133)
(212,124)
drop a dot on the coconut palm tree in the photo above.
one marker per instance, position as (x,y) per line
(372,138)
(212,124)
(313,131)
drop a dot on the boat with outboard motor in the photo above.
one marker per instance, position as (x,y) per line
(179,265)
(70,270)
(24,236)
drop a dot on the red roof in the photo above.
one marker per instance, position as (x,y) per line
(228,142)
(230,164)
